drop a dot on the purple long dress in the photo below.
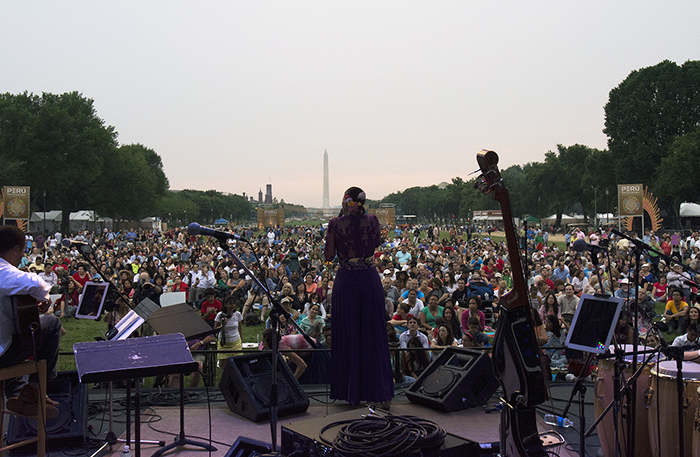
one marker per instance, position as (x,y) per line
(360,363)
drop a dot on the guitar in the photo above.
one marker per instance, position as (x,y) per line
(516,356)
(27,324)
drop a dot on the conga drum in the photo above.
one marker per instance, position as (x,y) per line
(696,430)
(662,402)
(604,395)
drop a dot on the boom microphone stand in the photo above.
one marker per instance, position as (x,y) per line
(196,229)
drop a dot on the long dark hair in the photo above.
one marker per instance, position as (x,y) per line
(546,304)
(555,324)
(450,337)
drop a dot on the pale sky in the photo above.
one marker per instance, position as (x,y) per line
(234,95)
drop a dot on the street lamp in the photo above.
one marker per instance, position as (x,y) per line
(595,205)
(607,206)
(185,217)
(43,194)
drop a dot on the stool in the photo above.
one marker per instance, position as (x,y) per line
(25,368)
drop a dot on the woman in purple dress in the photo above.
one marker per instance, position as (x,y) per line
(360,363)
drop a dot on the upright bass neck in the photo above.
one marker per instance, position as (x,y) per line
(491,182)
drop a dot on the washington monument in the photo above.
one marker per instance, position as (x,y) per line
(326,192)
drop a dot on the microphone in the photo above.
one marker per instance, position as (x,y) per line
(581,245)
(196,229)
(73,243)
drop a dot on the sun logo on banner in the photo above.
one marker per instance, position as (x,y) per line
(651,207)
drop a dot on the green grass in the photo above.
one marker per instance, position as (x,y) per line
(85,330)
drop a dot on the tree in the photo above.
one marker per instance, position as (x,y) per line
(646,113)
(131,184)
(674,182)
(67,144)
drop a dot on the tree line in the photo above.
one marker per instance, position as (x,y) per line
(60,147)
(57,145)
(652,120)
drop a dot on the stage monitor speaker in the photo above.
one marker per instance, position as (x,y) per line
(246,383)
(458,378)
(246,447)
(70,424)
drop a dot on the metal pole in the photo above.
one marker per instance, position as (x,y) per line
(43,194)
(595,206)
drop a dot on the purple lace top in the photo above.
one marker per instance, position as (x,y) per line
(352,237)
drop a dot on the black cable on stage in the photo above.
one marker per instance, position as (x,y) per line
(386,435)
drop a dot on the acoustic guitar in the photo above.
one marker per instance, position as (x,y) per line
(27,312)
(516,357)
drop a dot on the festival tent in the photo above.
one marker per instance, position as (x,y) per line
(690,210)
(53,221)
(221,221)
(565,219)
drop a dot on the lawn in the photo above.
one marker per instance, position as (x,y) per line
(83,330)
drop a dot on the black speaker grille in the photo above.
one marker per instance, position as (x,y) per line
(262,387)
(439,382)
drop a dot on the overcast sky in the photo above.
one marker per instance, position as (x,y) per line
(234,95)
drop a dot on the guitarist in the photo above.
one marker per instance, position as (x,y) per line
(23,396)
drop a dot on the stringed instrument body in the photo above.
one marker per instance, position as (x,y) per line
(28,326)
(516,355)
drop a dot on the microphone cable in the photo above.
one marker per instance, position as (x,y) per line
(388,435)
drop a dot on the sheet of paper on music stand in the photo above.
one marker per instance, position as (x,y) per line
(594,323)
(134,319)
(92,300)
(172,298)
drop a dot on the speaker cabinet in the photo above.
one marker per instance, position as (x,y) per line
(70,423)
(458,378)
(246,383)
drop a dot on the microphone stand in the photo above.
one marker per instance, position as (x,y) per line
(276,310)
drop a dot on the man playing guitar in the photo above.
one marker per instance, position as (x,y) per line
(23,396)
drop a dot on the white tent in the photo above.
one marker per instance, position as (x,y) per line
(565,219)
(690,210)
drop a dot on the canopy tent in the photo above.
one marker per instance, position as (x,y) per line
(565,219)
(690,210)
(531,219)
(221,221)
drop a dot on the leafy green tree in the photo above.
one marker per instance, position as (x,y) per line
(131,184)
(675,181)
(67,144)
(646,113)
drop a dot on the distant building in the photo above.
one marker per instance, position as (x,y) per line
(268,195)
(260,194)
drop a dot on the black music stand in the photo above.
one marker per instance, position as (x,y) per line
(133,358)
(180,319)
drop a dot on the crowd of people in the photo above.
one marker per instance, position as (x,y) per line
(441,285)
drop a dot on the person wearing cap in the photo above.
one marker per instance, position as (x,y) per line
(625,291)
(646,277)
(677,279)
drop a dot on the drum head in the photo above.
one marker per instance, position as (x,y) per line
(691,370)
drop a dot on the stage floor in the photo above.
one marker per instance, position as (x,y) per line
(161,423)
(160,420)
